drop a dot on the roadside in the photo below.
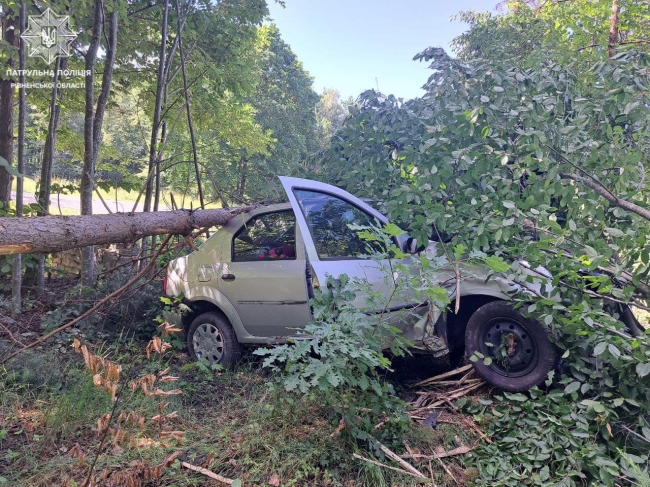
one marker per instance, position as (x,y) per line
(70,205)
(119,201)
(225,422)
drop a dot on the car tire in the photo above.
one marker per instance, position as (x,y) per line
(211,336)
(519,348)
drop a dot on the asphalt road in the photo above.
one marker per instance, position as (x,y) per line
(73,203)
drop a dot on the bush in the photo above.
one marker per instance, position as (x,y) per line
(338,360)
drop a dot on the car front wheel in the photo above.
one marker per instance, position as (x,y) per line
(211,336)
(514,352)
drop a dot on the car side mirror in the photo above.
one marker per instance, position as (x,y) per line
(411,245)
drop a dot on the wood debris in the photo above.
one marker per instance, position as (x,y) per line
(451,373)
(207,473)
(379,464)
(461,450)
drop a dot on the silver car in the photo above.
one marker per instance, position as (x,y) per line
(251,282)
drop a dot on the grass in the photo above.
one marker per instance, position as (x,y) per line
(232,421)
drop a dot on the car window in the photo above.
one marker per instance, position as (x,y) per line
(268,237)
(328,218)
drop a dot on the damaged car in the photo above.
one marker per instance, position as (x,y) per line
(251,282)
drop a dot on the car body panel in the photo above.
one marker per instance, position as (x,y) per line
(377,273)
(269,300)
(270,296)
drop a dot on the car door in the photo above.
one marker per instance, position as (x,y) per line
(324,213)
(264,275)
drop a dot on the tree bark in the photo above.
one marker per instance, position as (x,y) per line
(155,126)
(608,195)
(94,118)
(88,174)
(16,272)
(34,279)
(153,179)
(242,177)
(56,233)
(188,108)
(44,192)
(107,79)
(613,29)
(6,109)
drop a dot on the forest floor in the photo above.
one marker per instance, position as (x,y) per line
(229,422)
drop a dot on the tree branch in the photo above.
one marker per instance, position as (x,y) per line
(608,195)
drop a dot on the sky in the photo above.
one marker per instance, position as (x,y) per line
(355,45)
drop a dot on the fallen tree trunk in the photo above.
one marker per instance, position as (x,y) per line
(46,234)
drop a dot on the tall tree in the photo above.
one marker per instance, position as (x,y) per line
(8,25)
(16,272)
(284,103)
(94,116)
(330,114)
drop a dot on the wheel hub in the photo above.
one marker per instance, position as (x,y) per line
(511,347)
(208,343)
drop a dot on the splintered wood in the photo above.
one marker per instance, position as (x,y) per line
(445,389)
(438,402)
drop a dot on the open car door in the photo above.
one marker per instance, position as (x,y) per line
(324,214)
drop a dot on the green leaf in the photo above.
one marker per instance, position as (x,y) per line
(237,483)
(573,387)
(10,169)
(600,348)
(643,369)
(393,230)
(516,397)
(614,232)
(614,350)
(496,263)
(595,405)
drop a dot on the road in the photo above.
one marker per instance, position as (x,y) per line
(72,203)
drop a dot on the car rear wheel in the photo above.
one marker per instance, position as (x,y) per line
(211,336)
(517,349)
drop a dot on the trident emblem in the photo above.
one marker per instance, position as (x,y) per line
(48,36)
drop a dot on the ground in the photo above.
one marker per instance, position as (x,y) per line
(230,421)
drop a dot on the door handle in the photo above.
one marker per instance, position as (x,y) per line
(228,277)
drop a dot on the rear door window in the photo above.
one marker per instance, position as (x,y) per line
(271,236)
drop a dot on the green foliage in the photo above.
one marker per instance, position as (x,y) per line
(140,307)
(204,368)
(32,369)
(551,439)
(521,154)
(338,358)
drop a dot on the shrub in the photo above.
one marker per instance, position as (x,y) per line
(338,359)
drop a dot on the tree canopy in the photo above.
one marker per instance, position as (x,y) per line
(530,146)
